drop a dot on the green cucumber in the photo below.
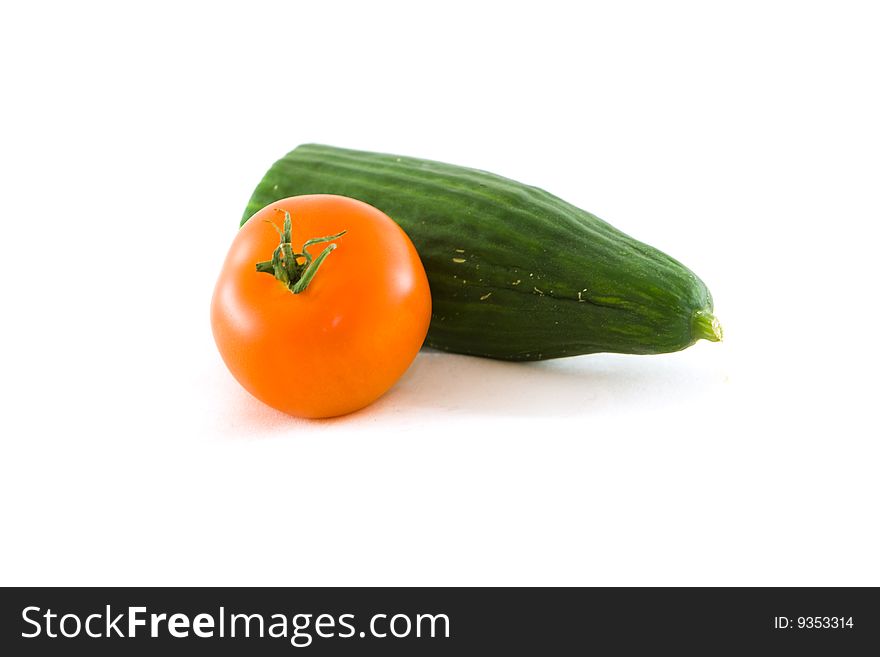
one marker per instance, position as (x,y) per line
(515,272)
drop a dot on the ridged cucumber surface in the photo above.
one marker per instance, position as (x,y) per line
(515,272)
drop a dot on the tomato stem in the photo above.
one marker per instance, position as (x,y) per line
(285,265)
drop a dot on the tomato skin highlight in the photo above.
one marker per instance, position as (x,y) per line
(347,338)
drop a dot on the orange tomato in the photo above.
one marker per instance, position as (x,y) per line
(344,340)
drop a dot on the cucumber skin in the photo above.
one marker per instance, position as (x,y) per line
(515,272)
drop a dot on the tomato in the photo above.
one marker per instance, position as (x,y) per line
(340,343)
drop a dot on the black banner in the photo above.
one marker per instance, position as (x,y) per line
(446,621)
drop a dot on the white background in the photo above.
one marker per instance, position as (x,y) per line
(740,138)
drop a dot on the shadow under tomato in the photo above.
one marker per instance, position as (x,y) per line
(441,384)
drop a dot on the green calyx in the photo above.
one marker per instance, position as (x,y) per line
(285,265)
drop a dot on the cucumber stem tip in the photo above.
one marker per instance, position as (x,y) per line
(706,326)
